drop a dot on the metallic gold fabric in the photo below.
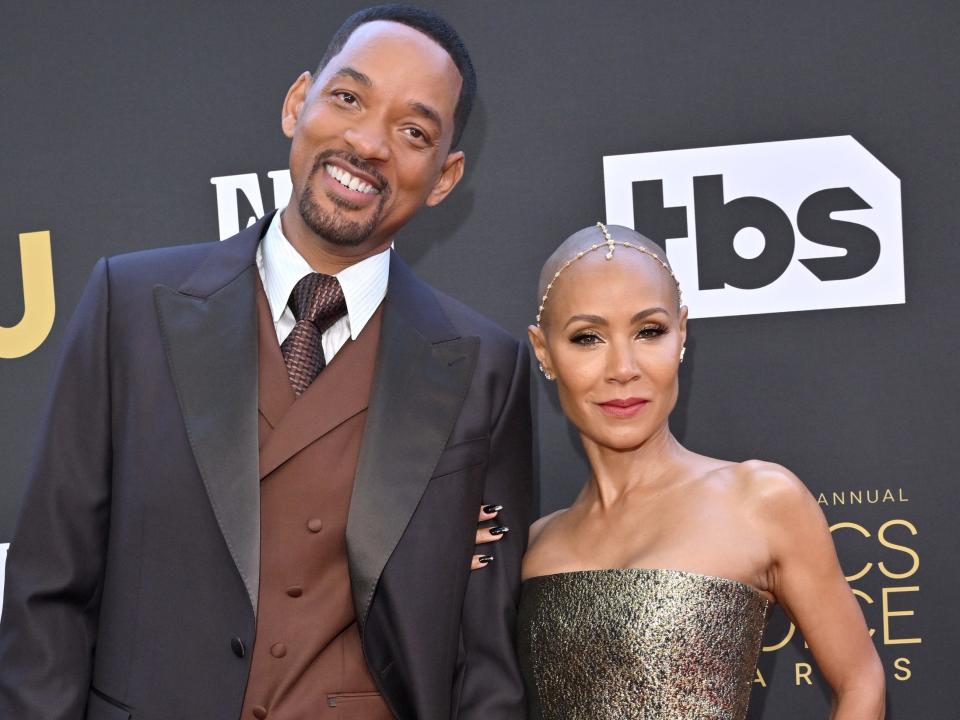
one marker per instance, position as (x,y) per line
(639,643)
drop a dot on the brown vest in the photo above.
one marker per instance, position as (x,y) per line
(307,660)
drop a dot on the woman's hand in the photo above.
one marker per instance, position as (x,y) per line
(488,532)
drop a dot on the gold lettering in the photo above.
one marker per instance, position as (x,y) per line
(782,643)
(802,672)
(863,531)
(888,496)
(838,498)
(888,613)
(902,665)
(759,679)
(902,548)
(902,498)
(39,304)
(822,499)
(856,495)
(876,497)
(862,594)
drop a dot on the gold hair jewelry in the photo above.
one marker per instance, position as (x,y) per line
(610,244)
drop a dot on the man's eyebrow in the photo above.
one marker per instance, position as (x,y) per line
(428,112)
(354,74)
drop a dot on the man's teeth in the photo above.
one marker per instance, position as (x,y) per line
(349,181)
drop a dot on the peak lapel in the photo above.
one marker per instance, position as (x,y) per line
(423,372)
(209,329)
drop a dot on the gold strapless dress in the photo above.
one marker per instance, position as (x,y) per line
(639,643)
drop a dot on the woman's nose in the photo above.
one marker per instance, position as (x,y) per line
(622,362)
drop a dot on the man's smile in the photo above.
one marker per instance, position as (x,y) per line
(349,180)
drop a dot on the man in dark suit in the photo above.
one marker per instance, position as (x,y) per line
(256,489)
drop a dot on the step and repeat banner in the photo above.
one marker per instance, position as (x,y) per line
(799,161)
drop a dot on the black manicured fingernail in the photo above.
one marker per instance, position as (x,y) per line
(499,530)
(488,509)
(484,559)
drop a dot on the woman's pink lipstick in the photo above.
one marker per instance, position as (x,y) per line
(623,408)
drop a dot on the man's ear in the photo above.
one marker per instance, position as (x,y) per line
(450,175)
(293,102)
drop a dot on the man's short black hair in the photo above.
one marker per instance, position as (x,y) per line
(431,25)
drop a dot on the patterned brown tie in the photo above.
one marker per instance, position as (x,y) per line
(317,303)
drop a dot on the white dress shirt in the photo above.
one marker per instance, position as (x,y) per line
(282,267)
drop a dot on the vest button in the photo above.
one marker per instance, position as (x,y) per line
(314,525)
(236,644)
(278,650)
(259,712)
(294,591)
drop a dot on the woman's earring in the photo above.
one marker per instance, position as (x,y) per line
(546,373)
(683,351)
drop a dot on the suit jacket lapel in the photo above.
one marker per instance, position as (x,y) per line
(209,329)
(423,372)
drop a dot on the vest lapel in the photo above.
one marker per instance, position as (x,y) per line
(276,395)
(340,391)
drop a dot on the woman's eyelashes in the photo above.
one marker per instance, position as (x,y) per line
(652,330)
(648,331)
(585,338)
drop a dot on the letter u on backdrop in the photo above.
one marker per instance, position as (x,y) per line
(39,304)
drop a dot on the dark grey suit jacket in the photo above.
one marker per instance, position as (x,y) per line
(132,578)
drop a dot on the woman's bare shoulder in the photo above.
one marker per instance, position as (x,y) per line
(774,493)
(770,481)
(760,489)
(540,525)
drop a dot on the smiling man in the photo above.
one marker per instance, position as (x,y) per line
(372,132)
(256,489)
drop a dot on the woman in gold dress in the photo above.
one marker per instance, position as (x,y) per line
(647,597)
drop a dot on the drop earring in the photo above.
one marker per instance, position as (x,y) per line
(546,373)
(683,351)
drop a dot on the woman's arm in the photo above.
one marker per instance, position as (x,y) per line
(806,578)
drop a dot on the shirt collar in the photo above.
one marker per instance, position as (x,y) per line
(282,267)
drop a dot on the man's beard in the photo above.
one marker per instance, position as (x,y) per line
(333,226)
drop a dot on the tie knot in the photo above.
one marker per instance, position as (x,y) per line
(319,299)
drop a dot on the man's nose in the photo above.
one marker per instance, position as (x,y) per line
(368,142)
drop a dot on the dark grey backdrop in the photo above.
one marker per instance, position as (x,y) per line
(115,116)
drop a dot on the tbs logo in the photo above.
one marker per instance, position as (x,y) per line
(767,227)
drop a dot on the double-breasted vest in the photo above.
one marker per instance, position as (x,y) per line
(307,658)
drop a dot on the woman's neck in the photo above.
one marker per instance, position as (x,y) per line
(617,473)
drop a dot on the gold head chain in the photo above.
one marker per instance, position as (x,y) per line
(610,244)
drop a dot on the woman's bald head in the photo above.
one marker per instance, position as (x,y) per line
(591,242)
